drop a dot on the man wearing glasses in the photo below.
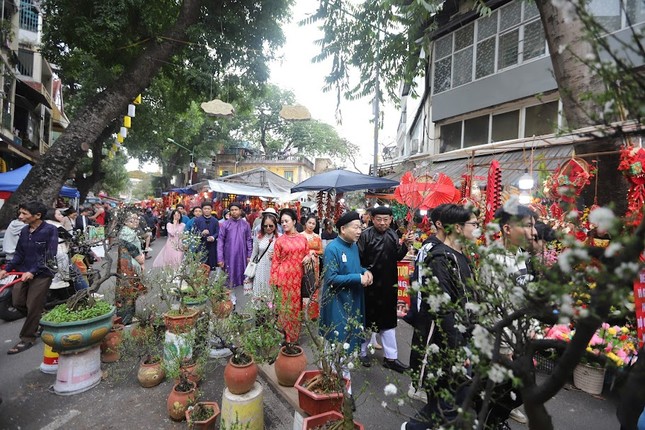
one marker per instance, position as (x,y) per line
(379,248)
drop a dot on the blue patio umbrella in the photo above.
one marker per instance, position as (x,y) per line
(342,181)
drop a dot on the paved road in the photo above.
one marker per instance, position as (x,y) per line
(29,404)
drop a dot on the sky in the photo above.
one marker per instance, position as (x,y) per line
(296,72)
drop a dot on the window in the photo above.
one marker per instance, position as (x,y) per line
(533,40)
(508,49)
(288,175)
(635,11)
(606,13)
(476,131)
(488,45)
(28,16)
(505,126)
(25,62)
(541,119)
(450,137)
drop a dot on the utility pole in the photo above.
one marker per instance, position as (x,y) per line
(377,114)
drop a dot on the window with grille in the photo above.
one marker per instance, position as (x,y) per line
(288,175)
(635,11)
(28,16)
(506,38)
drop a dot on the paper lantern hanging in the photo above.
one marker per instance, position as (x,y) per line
(131,110)
(119,138)
(124,132)
(137,100)
(127,121)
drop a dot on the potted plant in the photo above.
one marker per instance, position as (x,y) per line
(324,390)
(78,324)
(203,415)
(183,391)
(258,345)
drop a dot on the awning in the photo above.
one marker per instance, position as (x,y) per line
(249,190)
(26,90)
(513,163)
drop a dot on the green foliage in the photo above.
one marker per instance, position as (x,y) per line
(62,313)
(226,55)
(380,40)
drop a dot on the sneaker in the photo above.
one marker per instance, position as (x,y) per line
(404,426)
(395,365)
(365,361)
(518,416)
(419,394)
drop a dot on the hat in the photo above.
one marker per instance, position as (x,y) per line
(235,205)
(269,211)
(381,210)
(347,218)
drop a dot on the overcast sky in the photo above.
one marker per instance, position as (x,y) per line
(297,73)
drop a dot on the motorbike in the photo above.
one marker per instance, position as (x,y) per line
(79,275)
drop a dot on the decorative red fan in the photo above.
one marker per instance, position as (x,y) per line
(493,191)
(426,192)
(568,180)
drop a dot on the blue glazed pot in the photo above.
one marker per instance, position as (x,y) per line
(76,336)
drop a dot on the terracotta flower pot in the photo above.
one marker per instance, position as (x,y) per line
(317,403)
(324,418)
(288,367)
(191,371)
(150,374)
(183,323)
(110,344)
(178,402)
(222,309)
(239,379)
(207,424)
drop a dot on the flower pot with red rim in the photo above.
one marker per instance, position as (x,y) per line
(181,323)
(179,399)
(207,424)
(317,403)
(324,418)
(288,367)
(239,378)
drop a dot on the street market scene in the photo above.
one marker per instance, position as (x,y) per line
(322,214)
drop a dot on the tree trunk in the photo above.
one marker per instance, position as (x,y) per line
(85,184)
(565,35)
(48,175)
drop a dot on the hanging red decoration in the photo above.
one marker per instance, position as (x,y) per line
(568,180)
(493,191)
(426,192)
(632,164)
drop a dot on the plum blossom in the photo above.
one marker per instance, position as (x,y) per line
(567,8)
(483,341)
(604,218)
(433,348)
(496,373)
(390,390)
(613,249)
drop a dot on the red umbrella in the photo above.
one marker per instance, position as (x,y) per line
(426,192)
